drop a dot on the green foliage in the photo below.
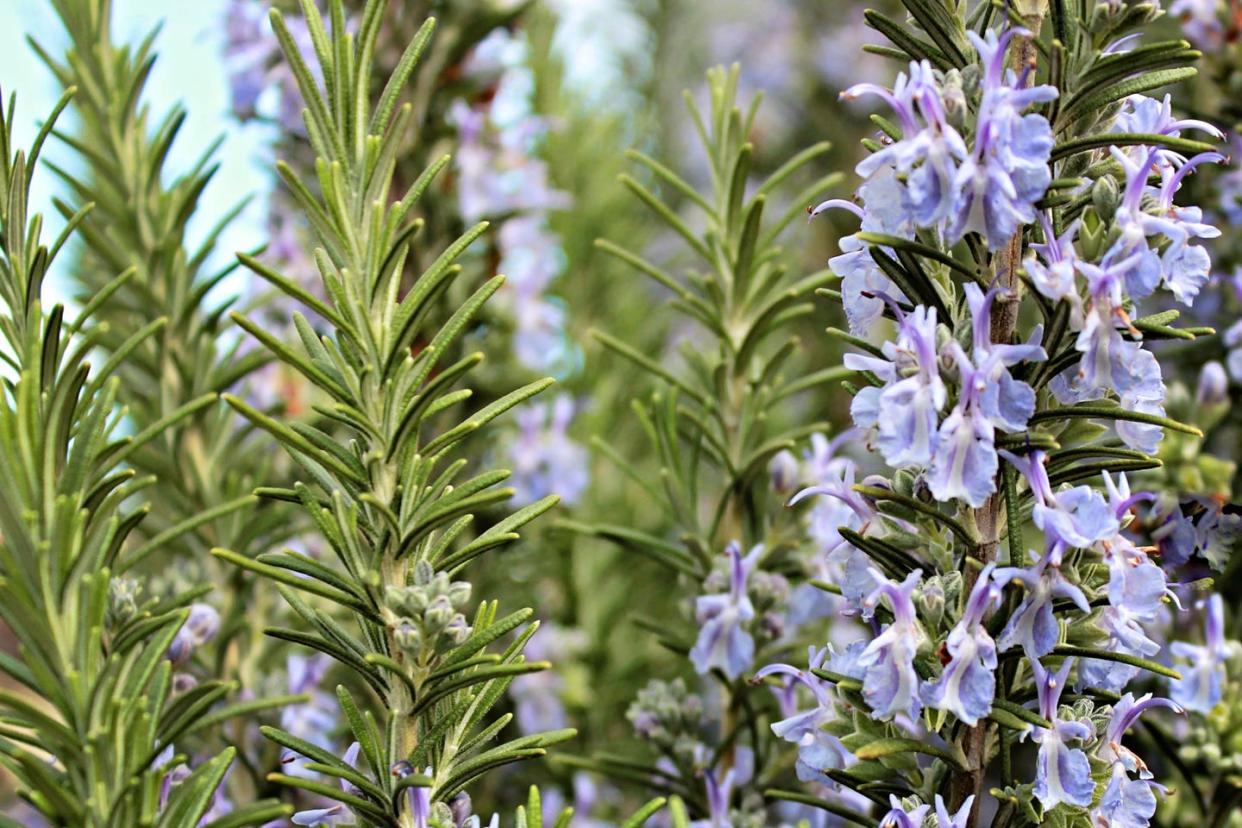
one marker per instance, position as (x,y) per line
(717,426)
(384,483)
(87,745)
(205,464)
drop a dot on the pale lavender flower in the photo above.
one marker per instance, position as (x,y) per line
(967,684)
(1007,171)
(1136,590)
(311,721)
(1073,518)
(817,749)
(965,462)
(1202,666)
(928,154)
(201,625)
(899,817)
(1148,116)
(1213,387)
(863,283)
(905,410)
(1033,624)
(720,790)
(1062,773)
(1126,802)
(838,506)
(890,683)
(336,814)
(1201,20)
(1182,266)
(537,697)
(959,820)
(723,642)
(544,458)
(1056,275)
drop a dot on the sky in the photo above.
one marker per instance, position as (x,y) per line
(189,69)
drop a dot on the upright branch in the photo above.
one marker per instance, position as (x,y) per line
(93,716)
(384,483)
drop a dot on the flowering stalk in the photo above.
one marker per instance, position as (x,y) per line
(964,404)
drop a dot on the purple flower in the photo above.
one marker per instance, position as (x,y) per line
(200,626)
(1125,713)
(1126,802)
(1148,116)
(967,684)
(723,641)
(1056,276)
(899,817)
(839,505)
(312,721)
(927,155)
(336,814)
(817,749)
(1213,386)
(1062,773)
(1033,625)
(545,459)
(863,283)
(905,410)
(1073,518)
(1202,666)
(1183,267)
(965,462)
(720,790)
(1200,20)
(1111,364)
(1007,170)
(890,683)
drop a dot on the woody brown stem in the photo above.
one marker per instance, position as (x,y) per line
(990,518)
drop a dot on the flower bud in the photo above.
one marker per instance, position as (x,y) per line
(1213,387)
(202,624)
(459,593)
(407,636)
(423,573)
(1105,197)
(783,471)
(457,630)
(438,614)
(122,600)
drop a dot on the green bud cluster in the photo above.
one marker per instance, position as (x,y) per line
(427,613)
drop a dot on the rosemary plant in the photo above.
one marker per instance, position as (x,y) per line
(94,743)
(1016,210)
(715,426)
(385,493)
(140,220)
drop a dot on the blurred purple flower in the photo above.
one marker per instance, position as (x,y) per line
(1202,666)
(723,642)
(544,458)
